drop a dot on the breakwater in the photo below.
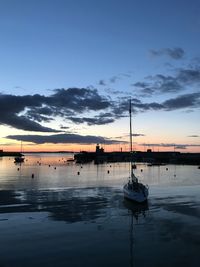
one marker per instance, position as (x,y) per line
(138,156)
(10,154)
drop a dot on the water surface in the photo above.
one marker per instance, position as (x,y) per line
(60,218)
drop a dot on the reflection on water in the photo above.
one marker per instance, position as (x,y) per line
(54,171)
(135,209)
(60,218)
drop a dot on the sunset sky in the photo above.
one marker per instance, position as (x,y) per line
(69,67)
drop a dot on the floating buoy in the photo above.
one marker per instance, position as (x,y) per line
(18,169)
(78,173)
(81,167)
(134,166)
(55,168)
(141,170)
(166,169)
(32,176)
(108,171)
(49,165)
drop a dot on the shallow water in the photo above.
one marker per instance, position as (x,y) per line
(60,218)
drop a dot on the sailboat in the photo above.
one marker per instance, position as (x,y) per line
(19,159)
(133,190)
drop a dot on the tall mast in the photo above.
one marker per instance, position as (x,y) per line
(131,141)
(133,178)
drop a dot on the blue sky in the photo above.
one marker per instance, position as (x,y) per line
(148,50)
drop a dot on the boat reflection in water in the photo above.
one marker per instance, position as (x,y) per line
(136,210)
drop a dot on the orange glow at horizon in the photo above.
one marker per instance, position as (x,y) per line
(91,148)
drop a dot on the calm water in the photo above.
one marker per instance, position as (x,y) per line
(60,218)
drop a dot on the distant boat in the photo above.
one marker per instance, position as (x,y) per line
(133,190)
(19,159)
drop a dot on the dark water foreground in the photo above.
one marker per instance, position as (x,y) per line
(95,226)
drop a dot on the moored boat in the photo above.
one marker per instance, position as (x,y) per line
(133,190)
(20,158)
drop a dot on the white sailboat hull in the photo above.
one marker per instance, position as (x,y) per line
(138,195)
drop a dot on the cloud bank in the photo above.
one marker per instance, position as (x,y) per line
(64,139)
(74,104)
(27,112)
(174,53)
(183,79)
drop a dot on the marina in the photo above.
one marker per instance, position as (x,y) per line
(99,133)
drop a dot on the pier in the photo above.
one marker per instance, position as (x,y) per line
(99,156)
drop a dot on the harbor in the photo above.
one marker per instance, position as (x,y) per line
(59,214)
(99,156)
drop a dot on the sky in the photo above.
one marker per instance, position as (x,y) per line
(68,69)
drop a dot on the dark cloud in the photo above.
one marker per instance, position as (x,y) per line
(64,127)
(183,101)
(63,138)
(21,122)
(120,109)
(167,84)
(142,85)
(78,100)
(11,106)
(126,75)
(27,112)
(40,114)
(137,134)
(24,112)
(127,135)
(159,84)
(184,78)
(101,119)
(102,82)
(115,92)
(145,89)
(194,135)
(114,79)
(189,76)
(174,53)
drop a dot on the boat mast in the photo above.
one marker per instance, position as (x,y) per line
(131,141)
(133,178)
